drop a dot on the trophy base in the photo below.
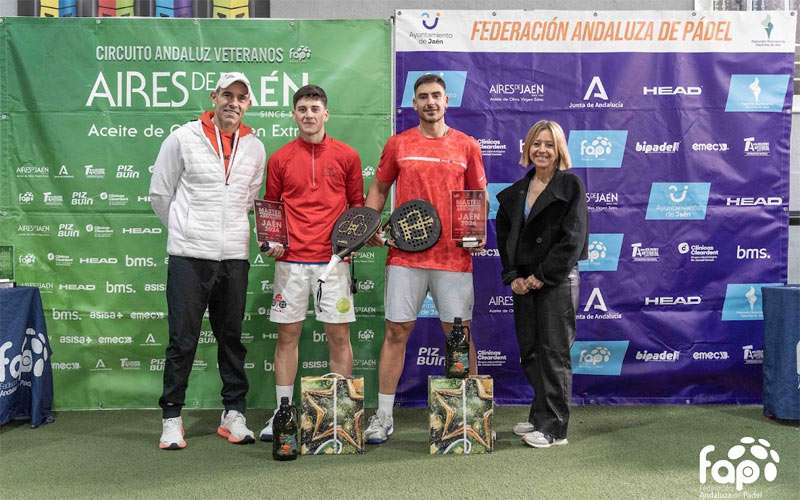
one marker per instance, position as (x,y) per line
(469,242)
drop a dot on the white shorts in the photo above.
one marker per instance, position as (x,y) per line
(295,282)
(406,288)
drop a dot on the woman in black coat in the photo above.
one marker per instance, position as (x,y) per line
(542,232)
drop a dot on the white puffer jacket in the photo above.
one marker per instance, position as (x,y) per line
(207,219)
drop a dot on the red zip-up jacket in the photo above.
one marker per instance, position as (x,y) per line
(317,183)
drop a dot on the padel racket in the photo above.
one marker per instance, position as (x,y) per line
(414,226)
(351,231)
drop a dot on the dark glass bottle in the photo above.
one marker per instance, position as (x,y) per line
(284,428)
(457,359)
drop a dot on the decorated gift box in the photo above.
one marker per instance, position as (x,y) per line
(333,415)
(461,412)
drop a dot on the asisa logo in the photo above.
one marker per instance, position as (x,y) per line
(757,93)
(597,148)
(598,358)
(429,21)
(604,250)
(747,461)
(678,201)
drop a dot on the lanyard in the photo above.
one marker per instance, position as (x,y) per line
(221,152)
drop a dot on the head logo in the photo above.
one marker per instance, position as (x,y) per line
(425,20)
(596,90)
(597,148)
(749,467)
(757,93)
(598,358)
(674,201)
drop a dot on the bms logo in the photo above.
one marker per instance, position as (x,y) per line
(429,24)
(597,148)
(752,458)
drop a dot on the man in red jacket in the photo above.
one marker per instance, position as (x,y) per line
(317,178)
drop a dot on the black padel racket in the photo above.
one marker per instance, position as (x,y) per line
(414,226)
(351,231)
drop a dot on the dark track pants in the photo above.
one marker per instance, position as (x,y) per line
(192,286)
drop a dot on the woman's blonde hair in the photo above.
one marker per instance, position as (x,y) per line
(563,159)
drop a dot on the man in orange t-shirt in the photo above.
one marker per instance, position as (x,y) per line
(427,162)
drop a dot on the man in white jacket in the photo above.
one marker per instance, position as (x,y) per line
(205,178)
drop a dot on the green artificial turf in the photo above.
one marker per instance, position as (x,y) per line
(613,452)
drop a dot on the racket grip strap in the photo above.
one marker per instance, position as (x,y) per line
(335,259)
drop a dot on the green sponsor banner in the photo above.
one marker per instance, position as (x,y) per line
(84,107)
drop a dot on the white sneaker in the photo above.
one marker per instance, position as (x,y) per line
(523,428)
(233,427)
(541,440)
(172,434)
(379,429)
(266,432)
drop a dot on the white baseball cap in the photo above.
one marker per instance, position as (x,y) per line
(228,79)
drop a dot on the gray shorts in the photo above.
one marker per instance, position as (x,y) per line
(406,288)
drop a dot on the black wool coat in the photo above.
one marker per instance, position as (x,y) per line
(554,236)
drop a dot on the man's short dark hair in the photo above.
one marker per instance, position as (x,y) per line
(310,92)
(429,78)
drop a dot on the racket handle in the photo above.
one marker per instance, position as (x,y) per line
(335,259)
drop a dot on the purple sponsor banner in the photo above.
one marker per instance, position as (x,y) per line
(685,157)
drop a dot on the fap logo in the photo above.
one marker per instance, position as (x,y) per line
(743,301)
(678,201)
(604,250)
(454,80)
(429,22)
(31,358)
(757,93)
(748,460)
(597,148)
(598,358)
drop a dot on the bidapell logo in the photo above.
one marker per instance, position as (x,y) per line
(747,461)
(604,250)
(597,148)
(678,201)
(743,301)
(598,358)
(454,80)
(757,93)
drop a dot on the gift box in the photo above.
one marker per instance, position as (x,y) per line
(461,413)
(332,421)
